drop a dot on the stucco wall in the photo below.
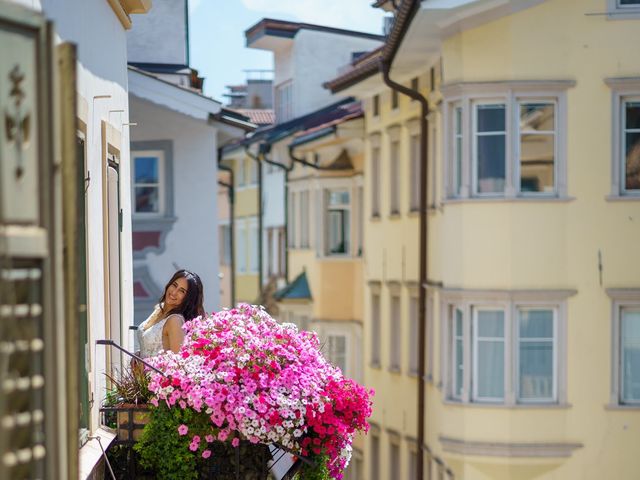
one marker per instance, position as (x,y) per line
(192,243)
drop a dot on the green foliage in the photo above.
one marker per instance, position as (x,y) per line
(317,471)
(162,449)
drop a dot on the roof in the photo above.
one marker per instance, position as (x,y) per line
(352,111)
(285,29)
(274,133)
(364,68)
(296,290)
(259,116)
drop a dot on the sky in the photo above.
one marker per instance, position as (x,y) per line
(217,43)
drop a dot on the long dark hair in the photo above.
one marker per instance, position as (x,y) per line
(191,306)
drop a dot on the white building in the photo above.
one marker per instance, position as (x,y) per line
(304,57)
(174,160)
(104,260)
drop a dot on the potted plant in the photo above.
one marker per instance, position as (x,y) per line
(243,380)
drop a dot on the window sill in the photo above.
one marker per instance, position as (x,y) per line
(395,216)
(91,453)
(617,406)
(453,201)
(375,218)
(517,406)
(623,198)
(623,14)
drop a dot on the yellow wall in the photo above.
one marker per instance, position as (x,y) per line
(515,245)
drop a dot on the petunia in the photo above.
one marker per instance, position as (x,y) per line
(183,429)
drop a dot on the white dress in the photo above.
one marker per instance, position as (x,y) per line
(151,338)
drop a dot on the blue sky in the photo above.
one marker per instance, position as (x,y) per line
(217,32)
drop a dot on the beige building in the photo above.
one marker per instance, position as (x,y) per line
(532,363)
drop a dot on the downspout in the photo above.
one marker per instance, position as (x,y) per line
(260,232)
(232,222)
(424,174)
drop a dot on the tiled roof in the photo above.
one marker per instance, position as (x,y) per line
(296,290)
(259,116)
(366,66)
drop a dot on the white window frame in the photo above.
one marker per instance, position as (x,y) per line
(518,340)
(376,177)
(453,337)
(622,89)
(518,131)
(468,96)
(470,301)
(622,12)
(474,140)
(344,207)
(620,298)
(623,130)
(347,350)
(475,310)
(159,154)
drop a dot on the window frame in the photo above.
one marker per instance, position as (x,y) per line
(620,298)
(395,338)
(467,96)
(375,354)
(346,229)
(161,185)
(474,349)
(622,12)
(510,302)
(332,333)
(376,165)
(517,341)
(475,135)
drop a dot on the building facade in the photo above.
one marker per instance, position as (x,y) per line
(532,304)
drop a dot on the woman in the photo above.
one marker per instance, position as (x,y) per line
(180,302)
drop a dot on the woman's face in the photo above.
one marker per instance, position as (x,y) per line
(176,293)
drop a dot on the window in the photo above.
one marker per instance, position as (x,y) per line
(413,464)
(374,457)
(282,254)
(337,351)
(253,246)
(225,244)
(536,355)
(631,145)
(414,181)
(630,355)
(489,148)
(395,324)
(488,360)
(394,99)
(375,182)
(241,247)
(537,151)
(508,351)
(621,7)
(394,177)
(457,149)
(413,335)
(284,101)
(291,232)
(304,219)
(457,352)
(148,183)
(511,144)
(360,220)
(376,105)
(338,222)
(394,460)
(375,329)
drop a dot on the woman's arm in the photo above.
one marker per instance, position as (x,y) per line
(173,333)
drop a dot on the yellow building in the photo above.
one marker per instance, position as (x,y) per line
(325,235)
(533,305)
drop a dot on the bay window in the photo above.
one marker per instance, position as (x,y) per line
(505,140)
(507,351)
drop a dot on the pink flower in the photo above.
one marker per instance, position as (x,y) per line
(235,442)
(209,438)
(206,454)
(183,429)
(193,446)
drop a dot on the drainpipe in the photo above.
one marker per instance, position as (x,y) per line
(232,222)
(260,232)
(424,174)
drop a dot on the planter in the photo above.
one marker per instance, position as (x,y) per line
(130,420)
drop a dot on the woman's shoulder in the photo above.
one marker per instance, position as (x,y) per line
(175,317)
